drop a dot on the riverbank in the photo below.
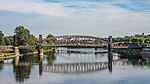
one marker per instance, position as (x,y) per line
(6,55)
(128,53)
(26,52)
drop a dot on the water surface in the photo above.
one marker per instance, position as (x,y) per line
(124,71)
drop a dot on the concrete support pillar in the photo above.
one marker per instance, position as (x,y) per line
(110,45)
(110,59)
(41,66)
(110,54)
(40,50)
(17,60)
(40,55)
(16,49)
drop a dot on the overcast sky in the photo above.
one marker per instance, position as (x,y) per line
(84,17)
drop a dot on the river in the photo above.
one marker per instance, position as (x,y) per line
(124,70)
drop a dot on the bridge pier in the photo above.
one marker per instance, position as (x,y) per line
(40,55)
(110,45)
(110,54)
(17,54)
(40,67)
(40,50)
(16,49)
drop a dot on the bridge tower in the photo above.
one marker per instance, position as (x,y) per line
(110,54)
(40,49)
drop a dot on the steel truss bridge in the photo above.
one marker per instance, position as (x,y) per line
(73,41)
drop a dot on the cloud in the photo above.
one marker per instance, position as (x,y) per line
(73,7)
(33,6)
(89,17)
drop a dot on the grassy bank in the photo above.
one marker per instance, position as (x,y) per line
(7,54)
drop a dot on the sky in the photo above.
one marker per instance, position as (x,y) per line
(100,18)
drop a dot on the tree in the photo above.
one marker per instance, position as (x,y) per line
(141,39)
(127,38)
(52,40)
(49,36)
(8,40)
(23,37)
(32,40)
(2,42)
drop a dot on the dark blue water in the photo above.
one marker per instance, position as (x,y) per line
(124,71)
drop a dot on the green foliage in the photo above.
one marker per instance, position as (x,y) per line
(47,47)
(9,40)
(141,39)
(145,63)
(50,57)
(7,54)
(22,73)
(49,36)
(23,37)
(32,40)
(52,40)
(2,42)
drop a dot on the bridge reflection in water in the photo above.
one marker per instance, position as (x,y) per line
(23,70)
(78,63)
(76,67)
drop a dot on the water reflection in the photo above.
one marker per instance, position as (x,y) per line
(80,57)
(1,65)
(76,68)
(73,62)
(110,60)
(40,68)
(50,57)
(22,70)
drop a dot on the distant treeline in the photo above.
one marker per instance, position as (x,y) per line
(141,39)
(22,36)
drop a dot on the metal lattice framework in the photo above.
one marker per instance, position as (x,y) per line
(75,40)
